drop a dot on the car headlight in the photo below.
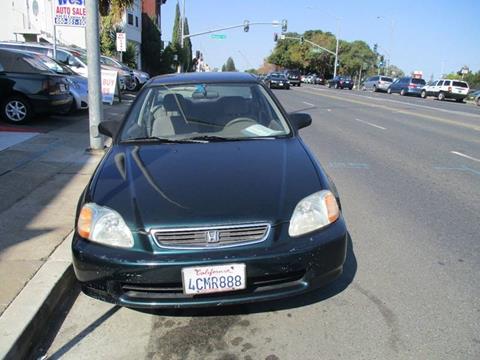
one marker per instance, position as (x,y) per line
(103,225)
(314,212)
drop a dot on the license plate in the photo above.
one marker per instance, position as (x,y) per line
(212,279)
(281,84)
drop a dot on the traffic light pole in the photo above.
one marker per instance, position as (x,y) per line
(274,23)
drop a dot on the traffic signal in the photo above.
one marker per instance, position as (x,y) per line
(284,26)
(275,37)
(301,40)
(246,25)
(375,47)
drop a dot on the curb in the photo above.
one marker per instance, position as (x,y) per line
(26,319)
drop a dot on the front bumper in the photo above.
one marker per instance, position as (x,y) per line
(279,85)
(52,103)
(277,268)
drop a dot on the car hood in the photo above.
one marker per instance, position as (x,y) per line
(155,185)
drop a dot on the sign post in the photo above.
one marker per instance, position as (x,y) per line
(121,44)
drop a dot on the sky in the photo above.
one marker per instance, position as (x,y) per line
(423,35)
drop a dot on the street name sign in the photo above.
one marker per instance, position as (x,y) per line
(218,36)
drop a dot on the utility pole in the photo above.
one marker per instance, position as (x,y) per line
(336,51)
(95,106)
(54,30)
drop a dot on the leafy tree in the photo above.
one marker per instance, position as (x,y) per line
(154,60)
(353,56)
(187,49)
(184,54)
(395,71)
(473,79)
(251,71)
(224,68)
(229,65)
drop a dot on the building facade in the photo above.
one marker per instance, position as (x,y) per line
(32,20)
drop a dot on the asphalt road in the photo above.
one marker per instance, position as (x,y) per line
(408,172)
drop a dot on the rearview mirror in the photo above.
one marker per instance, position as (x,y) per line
(300,120)
(109,128)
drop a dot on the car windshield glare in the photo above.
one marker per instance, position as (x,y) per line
(211,112)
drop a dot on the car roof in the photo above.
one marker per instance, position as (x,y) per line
(18,51)
(204,77)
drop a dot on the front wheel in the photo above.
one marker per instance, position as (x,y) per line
(389,91)
(423,94)
(132,85)
(17,109)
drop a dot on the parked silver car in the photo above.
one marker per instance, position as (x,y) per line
(377,83)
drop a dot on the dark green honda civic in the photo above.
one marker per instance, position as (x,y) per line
(207,196)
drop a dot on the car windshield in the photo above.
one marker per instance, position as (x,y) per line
(210,112)
(278,76)
(53,65)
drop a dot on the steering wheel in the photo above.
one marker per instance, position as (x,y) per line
(240,120)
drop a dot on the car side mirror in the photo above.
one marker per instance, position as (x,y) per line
(300,120)
(109,128)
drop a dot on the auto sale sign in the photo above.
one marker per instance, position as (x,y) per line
(70,13)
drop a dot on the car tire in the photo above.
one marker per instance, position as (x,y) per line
(423,94)
(375,88)
(336,86)
(402,92)
(478,101)
(441,96)
(389,91)
(17,109)
(132,85)
(329,85)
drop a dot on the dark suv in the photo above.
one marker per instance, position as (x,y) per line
(29,87)
(341,82)
(293,77)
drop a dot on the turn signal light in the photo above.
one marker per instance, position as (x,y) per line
(84,224)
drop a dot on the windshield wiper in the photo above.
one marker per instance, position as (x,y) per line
(159,139)
(211,138)
(216,138)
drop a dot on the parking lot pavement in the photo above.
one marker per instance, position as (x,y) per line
(410,288)
(42,174)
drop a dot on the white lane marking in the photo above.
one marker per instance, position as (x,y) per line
(465,156)
(381,98)
(307,103)
(369,123)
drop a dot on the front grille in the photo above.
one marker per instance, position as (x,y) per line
(207,237)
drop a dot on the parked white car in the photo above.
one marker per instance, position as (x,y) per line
(446,89)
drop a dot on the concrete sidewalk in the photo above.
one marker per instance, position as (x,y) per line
(41,180)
